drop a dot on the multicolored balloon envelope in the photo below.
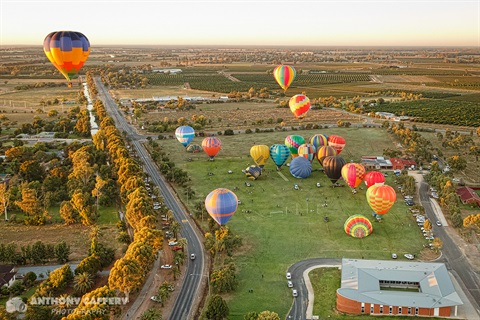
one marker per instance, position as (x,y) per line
(284,75)
(333,167)
(308,151)
(194,148)
(358,226)
(374,177)
(260,154)
(211,146)
(325,151)
(353,174)
(279,154)
(221,204)
(337,142)
(253,172)
(67,51)
(185,135)
(293,142)
(300,167)
(299,105)
(319,140)
(381,198)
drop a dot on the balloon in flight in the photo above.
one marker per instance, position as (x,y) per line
(284,75)
(260,154)
(279,154)
(211,146)
(67,51)
(221,204)
(358,226)
(299,105)
(185,135)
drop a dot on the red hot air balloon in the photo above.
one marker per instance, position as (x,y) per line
(337,142)
(374,177)
(353,174)
(381,198)
(211,146)
(284,75)
(299,105)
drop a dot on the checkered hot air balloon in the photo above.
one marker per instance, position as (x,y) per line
(353,174)
(358,226)
(211,146)
(284,75)
(308,151)
(67,51)
(381,198)
(221,204)
(299,105)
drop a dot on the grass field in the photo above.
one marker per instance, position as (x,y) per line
(285,225)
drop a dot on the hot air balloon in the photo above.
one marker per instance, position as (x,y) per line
(333,167)
(221,204)
(336,142)
(381,198)
(284,76)
(300,167)
(279,154)
(211,146)
(374,177)
(260,154)
(324,152)
(358,226)
(353,174)
(308,151)
(194,148)
(319,140)
(299,105)
(253,172)
(293,142)
(185,135)
(67,51)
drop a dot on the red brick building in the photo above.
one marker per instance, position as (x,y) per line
(396,288)
(468,196)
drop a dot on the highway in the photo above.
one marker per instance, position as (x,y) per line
(196,273)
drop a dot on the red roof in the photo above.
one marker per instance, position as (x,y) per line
(468,195)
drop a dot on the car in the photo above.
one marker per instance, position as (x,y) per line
(429,238)
(295,186)
(409,256)
(289,276)
(177,248)
(318,184)
(155,298)
(166,266)
(192,256)
(409,202)
(230,171)
(394,256)
(290,284)
(239,202)
(294,293)
(172,243)
(438,223)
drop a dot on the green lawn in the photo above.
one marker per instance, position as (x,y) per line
(285,225)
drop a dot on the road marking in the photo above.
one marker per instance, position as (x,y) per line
(281,175)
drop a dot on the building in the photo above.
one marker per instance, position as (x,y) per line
(7,275)
(396,288)
(376,163)
(468,196)
(400,164)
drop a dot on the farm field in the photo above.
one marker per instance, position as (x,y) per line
(280,225)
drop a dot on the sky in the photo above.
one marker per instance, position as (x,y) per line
(246,22)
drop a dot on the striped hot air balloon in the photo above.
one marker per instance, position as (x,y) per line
(325,151)
(279,154)
(333,167)
(358,226)
(374,177)
(221,204)
(337,142)
(381,198)
(299,105)
(353,174)
(67,51)
(185,135)
(211,146)
(319,140)
(260,154)
(308,151)
(293,142)
(284,75)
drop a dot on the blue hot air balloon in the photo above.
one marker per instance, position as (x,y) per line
(221,204)
(185,135)
(300,167)
(279,153)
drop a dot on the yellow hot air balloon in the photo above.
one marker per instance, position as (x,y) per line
(260,154)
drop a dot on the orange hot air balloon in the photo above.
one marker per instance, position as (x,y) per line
(374,177)
(381,198)
(284,75)
(211,146)
(353,174)
(260,154)
(324,152)
(299,105)
(337,142)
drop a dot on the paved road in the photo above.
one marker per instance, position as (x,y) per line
(196,273)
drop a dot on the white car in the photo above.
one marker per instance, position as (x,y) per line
(438,223)
(166,266)
(409,256)
(290,284)
(172,243)
(155,298)
(192,256)
(394,256)
(294,293)
(289,276)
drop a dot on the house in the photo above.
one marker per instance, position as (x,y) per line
(468,196)
(7,275)
(400,164)
(410,288)
(376,163)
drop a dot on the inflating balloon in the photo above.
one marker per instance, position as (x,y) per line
(253,172)
(325,151)
(293,142)
(211,146)
(353,174)
(358,226)
(185,135)
(299,105)
(194,148)
(221,204)
(374,177)
(67,51)
(319,140)
(300,167)
(279,154)
(260,154)
(381,198)
(284,75)
(333,167)
(308,151)
(337,142)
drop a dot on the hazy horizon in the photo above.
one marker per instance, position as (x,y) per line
(264,23)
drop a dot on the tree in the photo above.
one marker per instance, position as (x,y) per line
(4,199)
(217,308)
(31,170)
(151,314)
(80,202)
(437,244)
(457,163)
(427,226)
(472,221)
(62,251)
(29,203)
(97,191)
(68,213)
(252,315)
(83,282)
(268,315)
(126,275)
(224,279)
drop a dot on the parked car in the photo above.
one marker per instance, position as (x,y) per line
(172,243)
(166,266)
(156,299)
(409,202)
(290,284)
(409,256)
(294,292)
(289,276)
(394,256)
(438,223)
